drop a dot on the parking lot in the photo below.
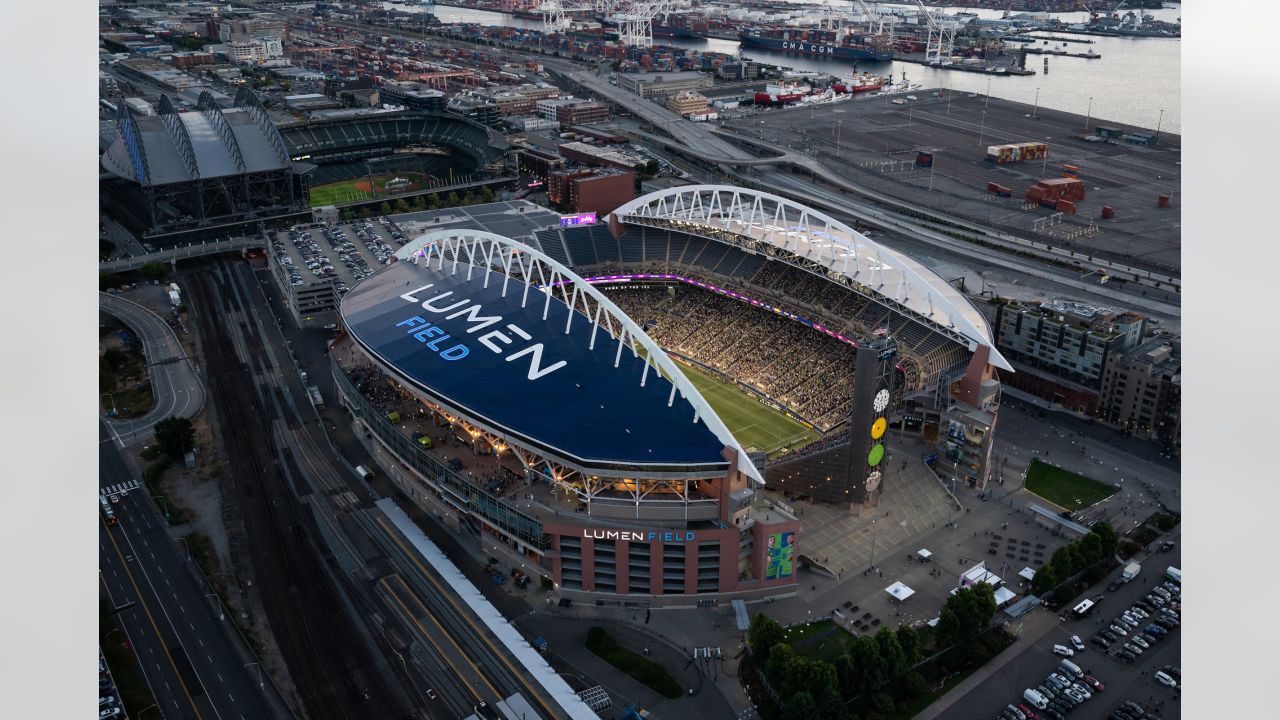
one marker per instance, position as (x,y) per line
(1122,682)
(345,253)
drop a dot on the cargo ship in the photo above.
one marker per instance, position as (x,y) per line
(775,94)
(857,84)
(840,44)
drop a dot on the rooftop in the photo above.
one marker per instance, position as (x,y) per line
(516,219)
(565,396)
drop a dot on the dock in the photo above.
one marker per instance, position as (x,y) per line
(1061,53)
(980,69)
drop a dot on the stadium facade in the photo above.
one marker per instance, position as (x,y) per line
(530,392)
(211,170)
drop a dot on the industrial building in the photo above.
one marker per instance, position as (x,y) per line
(597,190)
(660,85)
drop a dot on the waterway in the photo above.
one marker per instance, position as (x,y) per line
(1138,81)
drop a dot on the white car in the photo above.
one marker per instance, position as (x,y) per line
(1081,690)
(1077,642)
(1063,650)
(1074,695)
(1137,640)
(1165,679)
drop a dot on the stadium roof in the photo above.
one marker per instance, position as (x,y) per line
(816,238)
(519,363)
(209,142)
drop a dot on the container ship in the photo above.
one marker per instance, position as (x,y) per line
(857,84)
(840,44)
(781,94)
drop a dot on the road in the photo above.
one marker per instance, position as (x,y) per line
(174,383)
(194,668)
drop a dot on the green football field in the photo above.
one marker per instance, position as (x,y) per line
(756,425)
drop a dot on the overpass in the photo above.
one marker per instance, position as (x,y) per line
(183,252)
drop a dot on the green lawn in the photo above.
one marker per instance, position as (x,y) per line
(1065,488)
(338,193)
(756,425)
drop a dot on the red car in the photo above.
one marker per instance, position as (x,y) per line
(1093,683)
(1027,711)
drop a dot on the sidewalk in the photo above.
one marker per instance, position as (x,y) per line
(1036,626)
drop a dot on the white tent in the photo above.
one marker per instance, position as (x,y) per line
(1027,574)
(899,591)
(924,554)
(1004,595)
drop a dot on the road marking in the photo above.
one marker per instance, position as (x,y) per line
(220,677)
(200,641)
(143,603)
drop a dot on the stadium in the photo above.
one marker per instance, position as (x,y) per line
(216,172)
(579,398)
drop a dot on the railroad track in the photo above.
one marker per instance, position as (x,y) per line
(327,660)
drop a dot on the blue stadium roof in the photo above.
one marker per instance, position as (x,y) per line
(464,346)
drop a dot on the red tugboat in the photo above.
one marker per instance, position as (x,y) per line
(857,84)
(781,94)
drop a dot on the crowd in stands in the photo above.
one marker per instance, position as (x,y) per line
(808,371)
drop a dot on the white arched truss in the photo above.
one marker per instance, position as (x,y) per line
(765,223)
(489,258)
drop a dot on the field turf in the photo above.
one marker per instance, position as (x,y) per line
(340,192)
(756,425)
(1065,488)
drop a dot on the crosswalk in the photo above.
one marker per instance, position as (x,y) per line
(119,488)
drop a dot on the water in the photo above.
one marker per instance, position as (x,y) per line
(1134,81)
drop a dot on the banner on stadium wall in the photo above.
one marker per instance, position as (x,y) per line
(779,555)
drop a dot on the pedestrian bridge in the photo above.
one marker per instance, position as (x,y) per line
(183,252)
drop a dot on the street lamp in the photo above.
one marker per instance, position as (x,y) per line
(872,568)
(983,128)
(222,610)
(1035,109)
(113,402)
(1158,124)
(261,686)
(1088,115)
(163,504)
(987,99)
(839,127)
(186,547)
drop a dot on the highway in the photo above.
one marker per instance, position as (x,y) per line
(192,664)
(174,383)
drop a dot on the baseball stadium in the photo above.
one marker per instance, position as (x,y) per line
(610,402)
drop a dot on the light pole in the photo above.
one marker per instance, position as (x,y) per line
(1088,115)
(163,504)
(872,568)
(987,100)
(186,547)
(982,129)
(261,685)
(1035,109)
(839,127)
(222,610)
(1158,124)
(113,402)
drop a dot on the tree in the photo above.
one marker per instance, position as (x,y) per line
(914,685)
(451,200)
(347,215)
(402,206)
(1107,535)
(800,707)
(948,629)
(775,668)
(847,677)
(109,280)
(385,208)
(486,194)
(830,705)
(894,659)
(882,702)
(154,271)
(653,168)
(175,436)
(433,202)
(762,635)
(869,666)
(909,641)
(984,600)
(1046,579)
(1090,549)
(116,358)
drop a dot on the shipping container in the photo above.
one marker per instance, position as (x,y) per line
(1070,171)
(1066,206)
(1019,151)
(1108,212)
(1164,201)
(1108,132)
(924,159)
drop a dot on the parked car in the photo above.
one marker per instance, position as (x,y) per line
(1165,679)
(1118,630)
(1077,642)
(1100,641)
(1063,650)
(1137,640)
(1094,683)
(1081,690)
(1126,656)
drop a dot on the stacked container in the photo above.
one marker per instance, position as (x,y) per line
(998,189)
(1108,212)
(1016,152)
(924,159)
(1049,192)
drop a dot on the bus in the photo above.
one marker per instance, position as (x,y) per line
(108,514)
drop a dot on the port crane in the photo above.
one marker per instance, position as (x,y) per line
(942,38)
(876,20)
(635,19)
